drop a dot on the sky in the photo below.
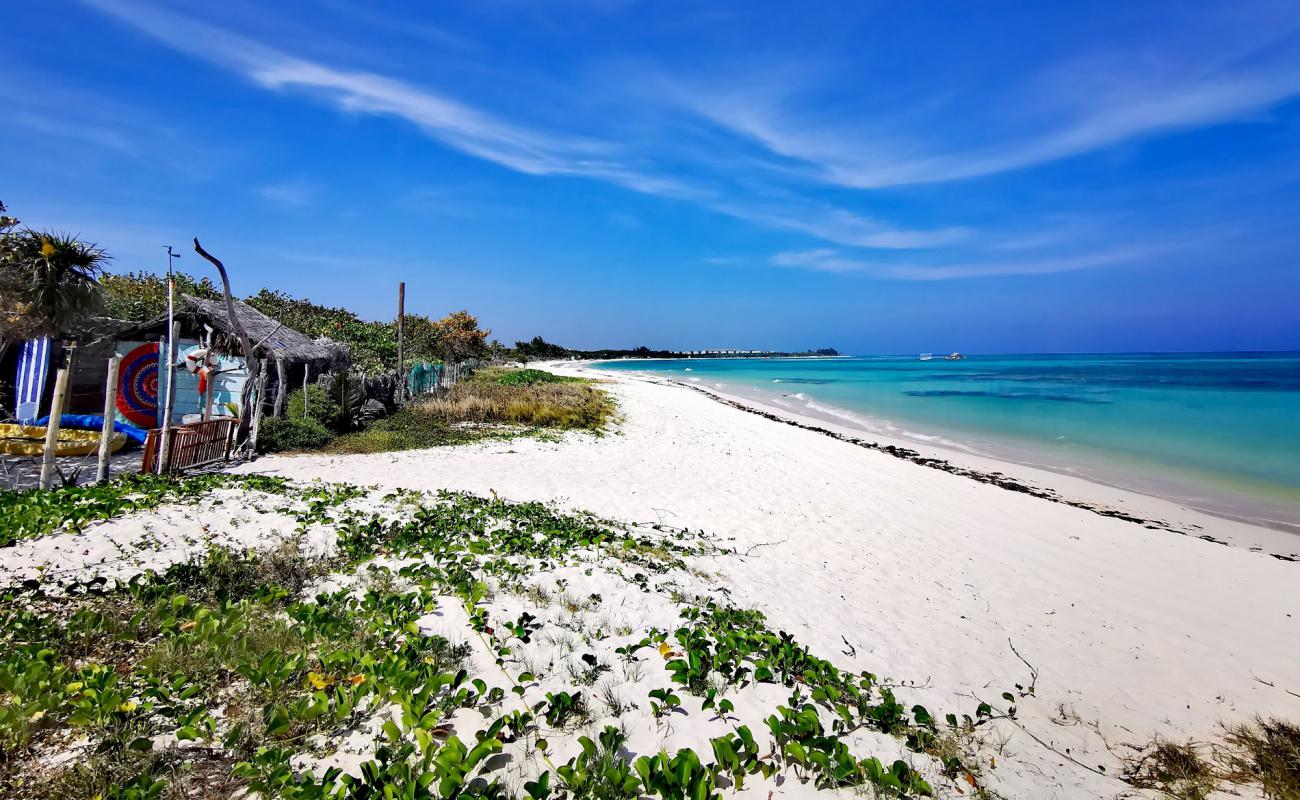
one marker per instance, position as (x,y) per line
(879,177)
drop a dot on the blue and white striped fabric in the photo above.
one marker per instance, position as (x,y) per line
(33,365)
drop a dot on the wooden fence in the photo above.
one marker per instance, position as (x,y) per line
(193,445)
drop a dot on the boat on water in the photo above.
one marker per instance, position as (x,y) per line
(954,357)
(927,356)
(29,440)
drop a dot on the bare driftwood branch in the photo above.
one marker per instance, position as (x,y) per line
(1033,673)
(250,357)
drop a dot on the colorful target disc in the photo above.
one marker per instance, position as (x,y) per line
(137,386)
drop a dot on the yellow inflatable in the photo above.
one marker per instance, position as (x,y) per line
(29,440)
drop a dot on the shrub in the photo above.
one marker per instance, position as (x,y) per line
(411,428)
(322,406)
(292,433)
(508,376)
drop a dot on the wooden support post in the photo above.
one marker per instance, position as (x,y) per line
(281,387)
(162,377)
(305,369)
(110,411)
(212,387)
(164,443)
(401,362)
(257,410)
(52,430)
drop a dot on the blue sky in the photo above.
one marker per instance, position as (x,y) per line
(874,176)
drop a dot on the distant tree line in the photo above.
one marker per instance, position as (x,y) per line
(538,349)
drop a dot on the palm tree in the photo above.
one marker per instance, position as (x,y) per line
(49,282)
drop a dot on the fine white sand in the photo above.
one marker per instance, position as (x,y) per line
(930,577)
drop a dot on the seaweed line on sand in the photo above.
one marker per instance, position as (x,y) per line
(992,478)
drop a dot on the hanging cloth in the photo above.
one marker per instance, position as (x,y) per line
(33,367)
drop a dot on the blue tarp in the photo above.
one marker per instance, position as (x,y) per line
(95,422)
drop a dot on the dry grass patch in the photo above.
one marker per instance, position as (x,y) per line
(567,405)
(1263,753)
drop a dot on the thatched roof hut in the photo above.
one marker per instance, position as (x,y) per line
(271,340)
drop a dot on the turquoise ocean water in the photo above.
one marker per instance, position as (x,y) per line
(1217,431)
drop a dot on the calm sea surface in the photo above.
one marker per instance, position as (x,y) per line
(1220,431)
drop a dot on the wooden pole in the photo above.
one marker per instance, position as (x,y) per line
(281,387)
(257,410)
(401,362)
(52,430)
(305,370)
(212,386)
(110,411)
(164,443)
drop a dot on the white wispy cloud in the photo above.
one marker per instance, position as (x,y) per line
(836,261)
(456,124)
(839,225)
(487,136)
(1068,108)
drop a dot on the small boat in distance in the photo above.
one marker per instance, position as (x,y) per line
(927,356)
(954,357)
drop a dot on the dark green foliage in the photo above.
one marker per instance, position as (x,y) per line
(142,296)
(539,348)
(373,344)
(408,429)
(292,434)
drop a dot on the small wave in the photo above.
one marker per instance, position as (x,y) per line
(688,369)
(877,425)
(800,396)
(776,380)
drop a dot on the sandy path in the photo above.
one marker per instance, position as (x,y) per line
(928,575)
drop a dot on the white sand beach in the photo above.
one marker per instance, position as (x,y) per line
(929,577)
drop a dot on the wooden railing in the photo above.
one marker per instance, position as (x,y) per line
(193,445)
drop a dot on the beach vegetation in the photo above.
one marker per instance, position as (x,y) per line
(230,668)
(508,376)
(1263,753)
(293,434)
(32,512)
(484,410)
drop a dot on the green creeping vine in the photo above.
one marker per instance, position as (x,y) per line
(736,645)
(33,512)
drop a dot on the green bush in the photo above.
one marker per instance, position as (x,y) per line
(321,406)
(292,433)
(411,428)
(504,376)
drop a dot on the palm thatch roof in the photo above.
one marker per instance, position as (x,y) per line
(271,339)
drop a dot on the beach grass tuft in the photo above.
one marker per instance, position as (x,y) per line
(479,410)
(1174,769)
(1265,752)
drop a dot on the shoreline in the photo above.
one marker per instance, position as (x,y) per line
(991,457)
